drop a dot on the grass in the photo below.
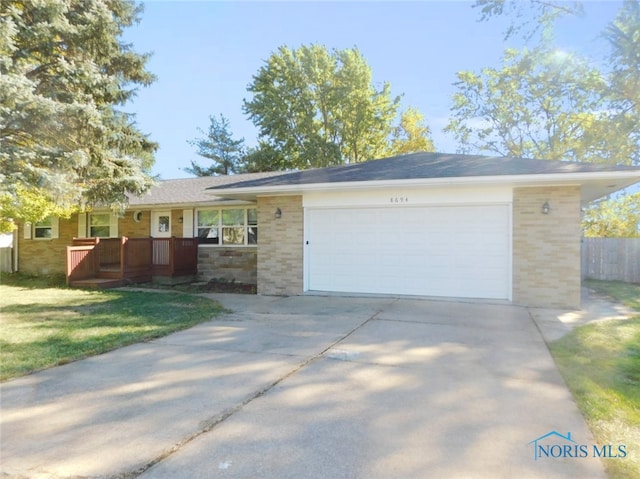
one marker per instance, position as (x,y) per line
(625,293)
(44,323)
(600,363)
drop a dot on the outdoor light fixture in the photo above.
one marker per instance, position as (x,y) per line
(278,214)
(545,208)
(180,220)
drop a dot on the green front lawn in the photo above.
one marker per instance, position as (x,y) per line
(600,363)
(44,323)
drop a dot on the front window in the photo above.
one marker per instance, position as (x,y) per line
(99,225)
(252,226)
(43,229)
(208,223)
(233,226)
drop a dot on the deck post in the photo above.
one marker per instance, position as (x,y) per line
(123,253)
(172,254)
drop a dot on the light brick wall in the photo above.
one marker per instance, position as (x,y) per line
(49,256)
(128,227)
(176,225)
(546,248)
(46,256)
(280,245)
(228,264)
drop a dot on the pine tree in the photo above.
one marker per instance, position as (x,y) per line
(218,146)
(64,75)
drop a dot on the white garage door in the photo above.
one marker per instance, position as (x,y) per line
(455,251)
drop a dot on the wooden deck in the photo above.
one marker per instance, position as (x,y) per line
(112,262)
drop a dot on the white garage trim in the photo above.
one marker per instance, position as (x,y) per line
(434,196)
(461,250)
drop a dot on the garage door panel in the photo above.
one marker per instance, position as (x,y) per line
(441,251)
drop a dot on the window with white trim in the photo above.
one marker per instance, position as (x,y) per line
(43,229)
(229,226)
(99,225)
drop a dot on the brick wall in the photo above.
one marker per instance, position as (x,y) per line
(546,248)
(128,227)
(280,245)
(46,256)
(176,224)
(228,264)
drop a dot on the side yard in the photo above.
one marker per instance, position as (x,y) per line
(44,323)
(600,363)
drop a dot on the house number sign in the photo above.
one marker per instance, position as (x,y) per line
(399,199)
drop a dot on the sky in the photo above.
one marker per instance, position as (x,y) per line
(205,53)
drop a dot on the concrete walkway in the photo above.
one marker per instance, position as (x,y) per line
(300,387)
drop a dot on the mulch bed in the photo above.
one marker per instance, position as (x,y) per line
(210,287)
(223,287)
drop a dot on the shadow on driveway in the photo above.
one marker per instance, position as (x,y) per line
(305,387)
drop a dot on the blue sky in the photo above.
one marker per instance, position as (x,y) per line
(205,54)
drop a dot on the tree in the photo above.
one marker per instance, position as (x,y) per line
(220,147)
(623,94)
(543,103)
(620,216)
(412,135)
(528,18)
(319,108)
(263,158)
(613,217)
(548,103)
(63,142)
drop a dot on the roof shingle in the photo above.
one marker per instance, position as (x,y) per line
(192,190)
(420,166)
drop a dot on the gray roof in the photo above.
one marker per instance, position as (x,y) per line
(421,166)
(192,190)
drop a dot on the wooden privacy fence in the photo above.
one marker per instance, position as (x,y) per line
(611,259)
(6,259)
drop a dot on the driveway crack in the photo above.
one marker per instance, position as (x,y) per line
(211,423)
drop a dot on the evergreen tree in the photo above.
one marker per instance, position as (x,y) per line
(218,146)
(64,73)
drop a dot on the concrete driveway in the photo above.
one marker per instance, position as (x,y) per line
(307,387)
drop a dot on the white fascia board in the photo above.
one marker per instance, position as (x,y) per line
(628,178)
(201,204)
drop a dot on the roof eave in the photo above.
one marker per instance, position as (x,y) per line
(623,179)
(190,204)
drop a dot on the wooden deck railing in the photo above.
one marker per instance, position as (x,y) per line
(134,259)
(110,252)
(175,256)
(137,260)
(184,257)
(81,263)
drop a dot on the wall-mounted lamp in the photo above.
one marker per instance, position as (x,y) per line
(180,220)
(545,208)
(278,214)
